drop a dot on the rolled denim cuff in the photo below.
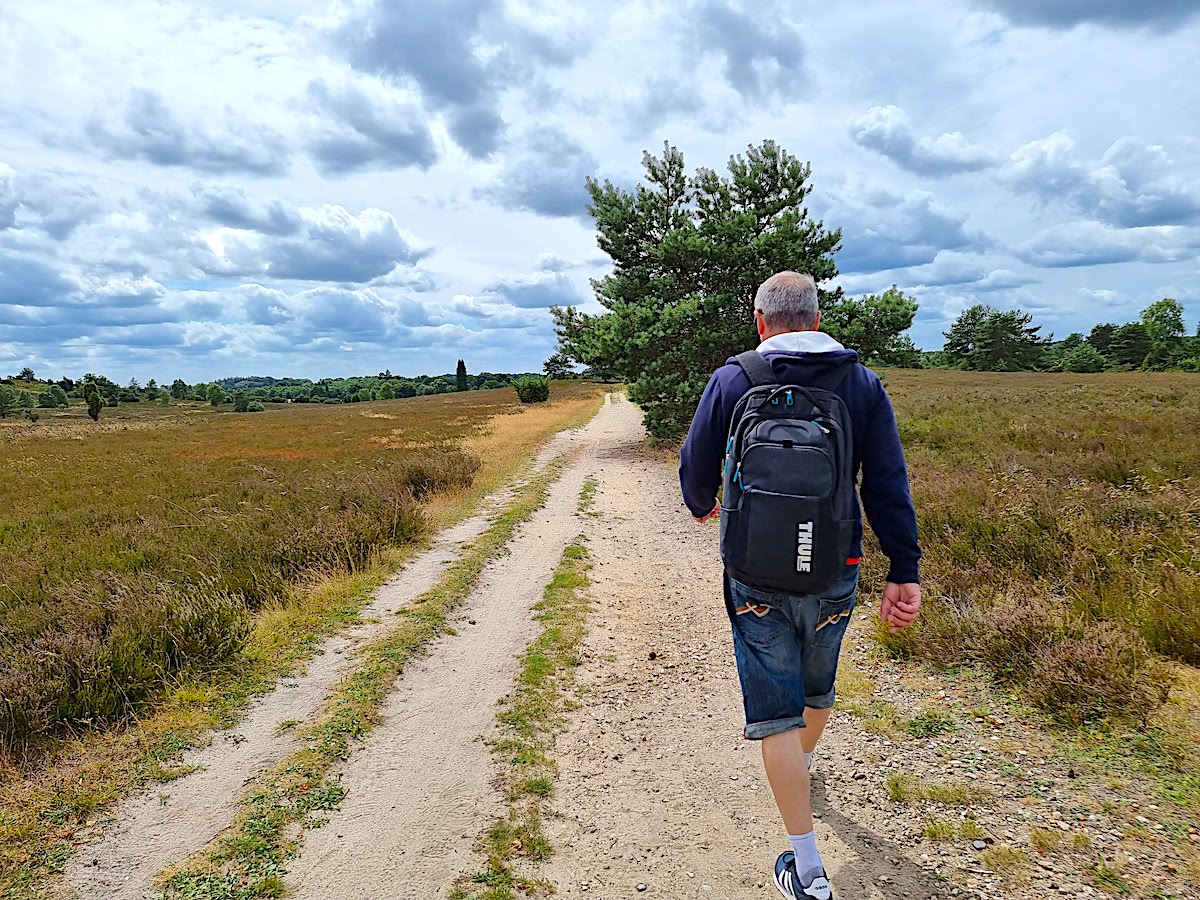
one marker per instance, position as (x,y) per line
(756,731)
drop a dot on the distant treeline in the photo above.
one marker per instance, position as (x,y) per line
(26,391)
(984,339)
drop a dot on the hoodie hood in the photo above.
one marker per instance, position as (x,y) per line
(800,342)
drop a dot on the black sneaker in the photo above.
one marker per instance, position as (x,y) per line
(789,883)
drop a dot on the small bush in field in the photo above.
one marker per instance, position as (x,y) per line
(1015,636)
(1105,671)
(533,389)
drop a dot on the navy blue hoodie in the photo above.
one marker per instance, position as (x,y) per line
(878,456)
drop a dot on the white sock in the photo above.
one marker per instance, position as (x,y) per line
(805,848)
(808,757)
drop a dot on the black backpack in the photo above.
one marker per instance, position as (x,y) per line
(788,518)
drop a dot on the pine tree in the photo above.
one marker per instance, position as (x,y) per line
(460,376)
(689,254)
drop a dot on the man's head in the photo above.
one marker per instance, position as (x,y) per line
(786,302)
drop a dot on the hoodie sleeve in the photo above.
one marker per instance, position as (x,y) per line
(885,494)
(702,452)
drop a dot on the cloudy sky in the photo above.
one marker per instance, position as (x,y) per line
(289,187)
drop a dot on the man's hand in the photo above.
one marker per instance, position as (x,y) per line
(715,514)
(901,603)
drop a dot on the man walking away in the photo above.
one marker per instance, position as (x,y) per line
(786,643)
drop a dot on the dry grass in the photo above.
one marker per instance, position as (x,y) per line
(1010,862)
(905,788)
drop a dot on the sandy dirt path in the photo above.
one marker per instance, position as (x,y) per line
(420,791)
(657,787)
(168,822)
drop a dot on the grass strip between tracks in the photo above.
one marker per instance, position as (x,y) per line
(251,857)
(530,718)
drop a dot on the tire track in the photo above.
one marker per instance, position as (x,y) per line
(420,790)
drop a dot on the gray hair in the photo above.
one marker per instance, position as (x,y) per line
(788,301)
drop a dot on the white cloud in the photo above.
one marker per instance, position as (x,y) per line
(332,245)
(1134,184)
(1094,243)
(887,130)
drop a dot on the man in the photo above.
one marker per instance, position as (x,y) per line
(787,646)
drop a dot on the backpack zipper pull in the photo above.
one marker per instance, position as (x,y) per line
(819,425)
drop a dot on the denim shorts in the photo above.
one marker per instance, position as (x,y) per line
(787,650)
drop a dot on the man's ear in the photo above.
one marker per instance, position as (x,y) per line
(817,327)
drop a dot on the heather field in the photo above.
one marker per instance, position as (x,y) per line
(1060,517)
(142,548)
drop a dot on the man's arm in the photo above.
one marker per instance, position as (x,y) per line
(885,494)
(702,452)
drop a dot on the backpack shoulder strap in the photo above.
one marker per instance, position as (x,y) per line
(831,379)
(756,367)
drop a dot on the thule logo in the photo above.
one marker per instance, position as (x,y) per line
(804,536)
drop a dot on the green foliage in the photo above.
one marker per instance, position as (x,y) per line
(215,395)
(929,723)
(874,326)
(1101,336)
(387,392)
(53,398)
(1082,357)
(1163,320)
(558,366)
(8,402)
(1129,345)
(461,382)
(984,339)
(179,389)
(533,389)
(93,398)
(689,254)
(241,402)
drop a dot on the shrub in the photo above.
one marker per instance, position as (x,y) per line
(54,398)
(1016,636)
(93,399)
(1105,671)
(533,389)
(1083,358)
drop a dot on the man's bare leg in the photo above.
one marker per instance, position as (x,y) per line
(787,773)
(815,721)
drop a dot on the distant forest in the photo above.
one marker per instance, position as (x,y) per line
(25,391)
